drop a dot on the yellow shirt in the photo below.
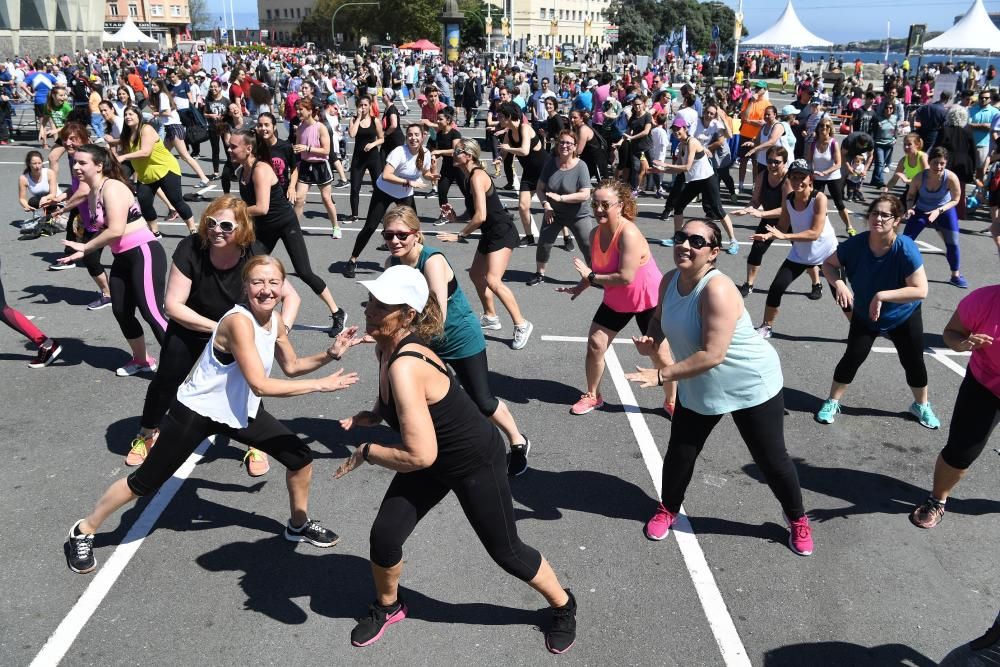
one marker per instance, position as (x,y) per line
(159,163)
(739,76)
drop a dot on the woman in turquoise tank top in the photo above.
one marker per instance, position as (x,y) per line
(462,346)
(722,367)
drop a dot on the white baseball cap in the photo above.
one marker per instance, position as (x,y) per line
(398,285)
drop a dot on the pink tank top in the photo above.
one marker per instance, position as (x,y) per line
(636,297)
(309,135)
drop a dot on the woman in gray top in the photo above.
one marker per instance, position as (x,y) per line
(564,189)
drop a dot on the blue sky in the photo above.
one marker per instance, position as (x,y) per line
(836,20)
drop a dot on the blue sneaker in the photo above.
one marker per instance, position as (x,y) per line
(669,242)
(827,412)
(924,414)
(733,248)
(959,281)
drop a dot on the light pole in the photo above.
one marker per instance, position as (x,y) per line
(737,33)
(333,19)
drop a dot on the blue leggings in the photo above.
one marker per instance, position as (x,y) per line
(947,227)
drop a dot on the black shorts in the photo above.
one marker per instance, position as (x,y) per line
(743,150)
(171,132)
(528,183)
(315,173)
(612,320)
(497,236)
(994,197)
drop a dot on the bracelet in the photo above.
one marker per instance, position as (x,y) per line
(330,355)
(659,377)
(365,450)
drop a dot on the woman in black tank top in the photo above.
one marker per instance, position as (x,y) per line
(522,142)
(447,445)
(367,134)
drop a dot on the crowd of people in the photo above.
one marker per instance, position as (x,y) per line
(586,150)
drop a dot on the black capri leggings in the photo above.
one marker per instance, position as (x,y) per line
(178,354)
(786,275)
(376,210)
(138,278)
(977,410)
(360,163)
(171,186)
(474,375)
(758,248)
(908,338)
(711,202)
(485,498)
(836,189)
(762,427)
(183,430)
(91,260)
(449,176)
(289,232)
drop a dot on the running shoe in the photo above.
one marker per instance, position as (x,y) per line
(658,526)
(339,320)
(517,460)
(522,332)
(636,192)
(350,219)
(140,448)
(134,366)
(746,289)
(733,248)
(370,629)
(351,269)
(928,514)
(337,233)
(256,462)
(569,245)
(851,231)
(80,550)
(46,355)
(441,221)
(342,184)
(59,266)
(587,403)
(491,323)
(800,538)
(383,248)
(764,331)
(924,414)
(562,631)
(669,242)
(311,532)
(536,279)
(959,281)
(526,240)
(816,293)
(827,412)
(668,407)
(102,301)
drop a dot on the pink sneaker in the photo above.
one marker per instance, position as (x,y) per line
(587,403)
(668,407)
(800,537)
(658,527)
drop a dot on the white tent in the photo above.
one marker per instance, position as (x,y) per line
(787,31)
(973,32)
(107,38)
(130,34)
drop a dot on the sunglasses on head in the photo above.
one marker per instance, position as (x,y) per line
(399,236)
(603,205)
(696,241)
(225,226)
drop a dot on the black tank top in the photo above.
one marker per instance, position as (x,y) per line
(364,136)
(770,197)
(535,160)
(278,206)
(496,214)
(465,438)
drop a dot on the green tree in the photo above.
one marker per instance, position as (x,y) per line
(402,20)
(473,28)
(200,18)
(638,23)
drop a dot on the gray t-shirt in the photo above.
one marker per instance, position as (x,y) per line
(567,182)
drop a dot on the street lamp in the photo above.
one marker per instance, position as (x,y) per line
(333,19)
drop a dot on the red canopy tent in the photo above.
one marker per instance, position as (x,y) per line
(420,45)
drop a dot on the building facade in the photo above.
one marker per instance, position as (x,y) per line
(281,18)
(164,20)
(43,27)
(531,23)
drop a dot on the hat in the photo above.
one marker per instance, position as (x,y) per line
(592,83)
(789,110)
(679,122)
(760,84)
(200,72)
(799,166)
(398,285)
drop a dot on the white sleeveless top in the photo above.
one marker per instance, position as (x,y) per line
(702,166)
(220,391)
(765,135)
(823,160)
(40,187)
(810,253)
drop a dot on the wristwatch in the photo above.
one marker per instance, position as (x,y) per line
(590,277)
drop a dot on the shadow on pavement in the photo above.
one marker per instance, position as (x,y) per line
(72,296)
(546,493)
(521,390)
(842,654)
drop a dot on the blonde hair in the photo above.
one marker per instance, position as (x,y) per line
(244,234)
(470,146)
(405,215)
(262,260)
(624,194)
(430,323)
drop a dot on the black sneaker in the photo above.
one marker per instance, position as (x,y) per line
(746,289)
(350,269)
(517,460)
(350,219)
(536,279)
(46,355)
(562,632)
(311,532)
(369,630)
(80,550)
(384,247)
(339,319)
(817,292)
(569,245)
(507,186)
(342,184)
(526,240)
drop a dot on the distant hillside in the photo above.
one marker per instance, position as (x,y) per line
(243,20)
(895,44)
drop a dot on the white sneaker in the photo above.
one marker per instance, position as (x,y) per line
(764,331)
(337,233)
(522,332)
(133,367)
(491,323)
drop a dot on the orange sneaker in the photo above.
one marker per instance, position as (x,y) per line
(256,462)
(140,448)
(587,403)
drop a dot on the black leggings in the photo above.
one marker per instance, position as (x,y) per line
(289,232)
(711,202)
(762,428)
(474,375)
(908,338)
(183,430)
(444,184)
(178,354)
(360,163)
(138,278)
(228,176)
(171,186)
(786,275)
(91,260)
(758,248)
(376,210)
(977,410)
(597,163)
(215,139)
(726,178)
(484,495)
(836,189)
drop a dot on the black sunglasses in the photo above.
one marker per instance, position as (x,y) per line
(399,236)
(696,241)
(225,226)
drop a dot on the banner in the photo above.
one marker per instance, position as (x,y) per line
(684,41)
(915,40)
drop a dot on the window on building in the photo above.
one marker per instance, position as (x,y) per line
(113,9)
(298,12)
(156,10)
(268,14)
(133,10)
(286,12)
(552,13)
(175,10)
(31,19)
(541,13)
(307,11)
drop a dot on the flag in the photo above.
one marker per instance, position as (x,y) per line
(684,40)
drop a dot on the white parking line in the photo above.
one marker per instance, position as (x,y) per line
(60,641)
(719,620)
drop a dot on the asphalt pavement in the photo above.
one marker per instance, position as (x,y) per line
(201,575)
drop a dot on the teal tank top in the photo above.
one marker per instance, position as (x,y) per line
(463,337)
(748,376)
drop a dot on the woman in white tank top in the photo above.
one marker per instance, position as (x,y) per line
(824,156)
(803,222)
(36,182)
